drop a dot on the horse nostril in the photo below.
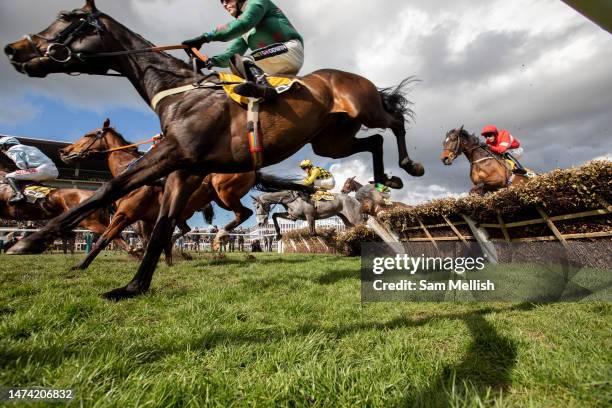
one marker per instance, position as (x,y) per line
(9,51)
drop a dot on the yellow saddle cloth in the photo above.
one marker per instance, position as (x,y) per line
(322,195)
(35,192)
(281,84)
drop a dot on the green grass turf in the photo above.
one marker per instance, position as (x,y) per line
(287,331)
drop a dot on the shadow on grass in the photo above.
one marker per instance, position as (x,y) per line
(337,275)
(483,374)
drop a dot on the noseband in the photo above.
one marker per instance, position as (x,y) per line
(59,49)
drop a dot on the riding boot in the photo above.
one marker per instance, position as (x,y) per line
(260,88)
(17,195)
(519,169)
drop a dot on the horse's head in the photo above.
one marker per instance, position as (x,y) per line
(262,210)
(349,185)
(452,145)
(88,145)
(57,48)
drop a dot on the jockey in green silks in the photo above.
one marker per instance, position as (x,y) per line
(259,25)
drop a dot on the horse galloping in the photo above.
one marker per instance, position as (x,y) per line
(488,172)
(298,206)
(58,201)
(204,129)
(372,201)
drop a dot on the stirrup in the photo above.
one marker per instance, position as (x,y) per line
(16,199)
(253,90)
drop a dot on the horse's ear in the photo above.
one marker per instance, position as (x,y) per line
(106,124)
(461,128)
(91,4)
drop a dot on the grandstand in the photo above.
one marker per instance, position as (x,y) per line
(88,175)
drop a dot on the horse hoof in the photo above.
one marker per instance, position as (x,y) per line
(121,294)
(26,246)
(279,237)
(416,170)
(394,182)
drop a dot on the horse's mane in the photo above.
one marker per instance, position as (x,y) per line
(124,141)
(469,136)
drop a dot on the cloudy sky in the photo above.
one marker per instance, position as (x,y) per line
(534,67)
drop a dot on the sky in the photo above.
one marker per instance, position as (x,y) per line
(534,67)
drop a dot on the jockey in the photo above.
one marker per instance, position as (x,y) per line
(501,142)
(32,163)
(261,26)
(318,177)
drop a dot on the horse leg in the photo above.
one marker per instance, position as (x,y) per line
(405,162)
(275,221)
(158,163)
(349,145)
(231,202)
(179,187)
(118,224)
(184,229)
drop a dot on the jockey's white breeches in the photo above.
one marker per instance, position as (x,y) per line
(517,153)
(41,173)
(325,184)
(288,63)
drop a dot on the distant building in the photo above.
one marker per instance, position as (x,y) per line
(286,225)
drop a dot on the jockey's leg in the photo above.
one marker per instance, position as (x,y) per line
(519,167)
(259,86)
(17,196)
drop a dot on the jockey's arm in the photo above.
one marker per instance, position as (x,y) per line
(500,148)
(250,18)
(19,157)
(238,46)
(309,181)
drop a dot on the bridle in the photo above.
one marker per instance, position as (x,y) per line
(59,49)
(457,149)
(85,152)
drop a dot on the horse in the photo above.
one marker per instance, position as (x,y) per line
(372,201)
(143,204)
(298,206)
(488,171)
(204,129)
(58,201)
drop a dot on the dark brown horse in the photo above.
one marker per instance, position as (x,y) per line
(488,171)
(59,201)
(204,129)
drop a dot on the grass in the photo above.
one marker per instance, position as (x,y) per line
(287,331)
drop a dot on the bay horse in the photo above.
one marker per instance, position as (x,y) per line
(299,207)
(488,171)
(143,204)
(372,201)
(58,201)
(204,129)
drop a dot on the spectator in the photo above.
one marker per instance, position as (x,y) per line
(232,243)
(256,246)
(195,237)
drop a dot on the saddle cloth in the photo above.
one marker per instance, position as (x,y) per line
(279,83)
(34,192)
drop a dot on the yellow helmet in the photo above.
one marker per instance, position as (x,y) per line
(305,164)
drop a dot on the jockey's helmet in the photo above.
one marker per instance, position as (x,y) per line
(7,141)
(306,164)
(489,130)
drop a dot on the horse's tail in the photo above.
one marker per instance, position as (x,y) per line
(268,183)
(395,101)
(208,212)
